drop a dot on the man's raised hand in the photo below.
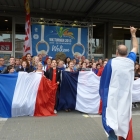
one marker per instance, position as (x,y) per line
(133,30)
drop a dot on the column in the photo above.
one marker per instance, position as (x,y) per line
(90,40)
(108,40)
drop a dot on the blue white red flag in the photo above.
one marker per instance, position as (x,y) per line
(23,94)
(80,91)
(116,93)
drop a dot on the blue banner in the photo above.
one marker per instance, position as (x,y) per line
(49,40)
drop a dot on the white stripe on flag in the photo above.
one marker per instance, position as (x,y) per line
(119,102)
(25,94)
(136,91)
(88,92)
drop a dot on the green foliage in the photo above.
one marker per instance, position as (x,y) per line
(60,31)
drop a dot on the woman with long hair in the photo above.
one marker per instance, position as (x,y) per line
(67,60)
(70,67)
(47,64)
(24,67)
(35,61)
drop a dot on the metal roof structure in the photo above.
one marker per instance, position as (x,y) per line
(76,10)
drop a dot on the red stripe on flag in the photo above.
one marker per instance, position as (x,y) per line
(28,44)
(26,38)
(130,132)
(100,107)
(26,49)
(45,100)
(28,30)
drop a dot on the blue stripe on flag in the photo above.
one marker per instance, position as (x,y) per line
(7,88)
(68,90)
(103,90)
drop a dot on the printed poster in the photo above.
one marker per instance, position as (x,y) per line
(49,40)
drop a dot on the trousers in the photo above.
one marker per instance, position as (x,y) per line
(112,136)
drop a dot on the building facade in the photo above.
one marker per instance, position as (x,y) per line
(107,22)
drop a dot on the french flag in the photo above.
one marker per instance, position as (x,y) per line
(79,91)
(23,94)
(116,94)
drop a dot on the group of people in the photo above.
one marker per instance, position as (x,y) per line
(52,68)
(30,64)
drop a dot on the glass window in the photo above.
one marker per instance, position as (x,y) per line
(5,29)
(121,35)
(18,55)
(19,40)
(115,44)
(98,36)
(5,37)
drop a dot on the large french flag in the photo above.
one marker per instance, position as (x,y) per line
(116,94)
(79,91)
(26,94)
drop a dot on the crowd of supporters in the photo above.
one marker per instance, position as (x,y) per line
(30,64)
(51,68)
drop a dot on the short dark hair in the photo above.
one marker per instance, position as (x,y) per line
(28,54)
(70,62)
(83,63)
(25,62)
(104,61)
(9,67)
(97,64)
(122,52)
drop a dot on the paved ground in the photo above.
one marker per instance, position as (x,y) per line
(65,126)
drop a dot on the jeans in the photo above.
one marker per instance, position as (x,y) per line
(112,136)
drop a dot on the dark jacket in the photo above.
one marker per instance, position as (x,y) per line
(49,74)
(31,68)
(25,70)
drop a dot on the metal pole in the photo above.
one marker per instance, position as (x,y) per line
(88,45)
(138,48)
(13,36)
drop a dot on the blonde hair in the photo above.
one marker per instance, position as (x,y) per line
(33,60)
(39,63)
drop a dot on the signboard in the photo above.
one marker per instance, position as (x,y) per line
(49,40)
(5,46)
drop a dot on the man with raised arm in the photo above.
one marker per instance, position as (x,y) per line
(115,91)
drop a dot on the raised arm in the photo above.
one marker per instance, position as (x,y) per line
(134,40)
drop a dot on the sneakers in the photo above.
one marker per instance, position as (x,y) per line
(136,105)
(55,111)
(133,106)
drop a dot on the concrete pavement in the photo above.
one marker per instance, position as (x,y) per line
(65,126)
